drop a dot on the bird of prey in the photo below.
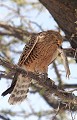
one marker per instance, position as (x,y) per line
(37,55)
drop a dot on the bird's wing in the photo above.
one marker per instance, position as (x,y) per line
(26,52)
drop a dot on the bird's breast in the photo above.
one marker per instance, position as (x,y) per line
(41,57)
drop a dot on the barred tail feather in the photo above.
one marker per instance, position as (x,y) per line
(20,90)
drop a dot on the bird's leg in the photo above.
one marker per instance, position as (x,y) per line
(65,61)
(43,75)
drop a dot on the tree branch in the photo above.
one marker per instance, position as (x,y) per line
(13,31)
(47,84)
(4,118)
(57,73)
(69,86)
(21,34)
(51,100)
(64,12)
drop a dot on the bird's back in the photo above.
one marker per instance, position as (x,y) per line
(36,56)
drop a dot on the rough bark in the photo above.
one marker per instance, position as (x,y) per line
(47,85)
(65,14)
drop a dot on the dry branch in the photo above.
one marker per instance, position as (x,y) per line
(64,13)
(19,33)
(51,100)
(4,118)
(47,84)
(13,31)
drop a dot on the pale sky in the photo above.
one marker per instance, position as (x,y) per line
(47,23)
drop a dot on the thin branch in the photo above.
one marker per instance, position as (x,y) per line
(57,73)
(39,26)
(69,86)
(70,52)
(7,76)
(48,84)
(51,100)
(25,114)
(21,34)
(13,31)
(3,118)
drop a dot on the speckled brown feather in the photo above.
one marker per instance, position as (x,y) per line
(21,88)
(36,56)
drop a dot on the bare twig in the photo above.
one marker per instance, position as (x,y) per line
(21,34)
(69,86)
(13,31)
(48,84)
(57,73)
(4,118)
(51,100)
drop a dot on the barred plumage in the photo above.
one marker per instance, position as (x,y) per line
(36,56)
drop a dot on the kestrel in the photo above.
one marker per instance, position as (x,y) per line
(37,55)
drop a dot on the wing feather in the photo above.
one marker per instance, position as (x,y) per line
(27,50)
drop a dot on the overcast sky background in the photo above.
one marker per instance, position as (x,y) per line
(47,22)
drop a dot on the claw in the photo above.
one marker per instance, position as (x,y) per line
(43,75)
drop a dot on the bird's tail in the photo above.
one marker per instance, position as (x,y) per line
(20,90)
